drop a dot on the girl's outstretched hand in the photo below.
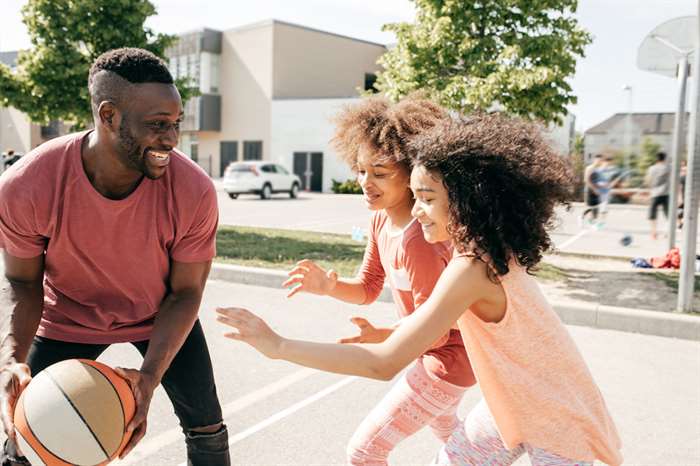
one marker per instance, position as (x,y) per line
(251,329)
(307,276)
(368,332)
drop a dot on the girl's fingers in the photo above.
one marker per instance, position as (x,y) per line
(299,270)
(293,281)
(357,339)
(234,336)
(230,322)
(360,322)
(295,290)
(306,263)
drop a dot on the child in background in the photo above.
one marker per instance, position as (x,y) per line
(372,138)
(490,184)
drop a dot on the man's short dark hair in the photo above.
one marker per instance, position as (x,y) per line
(661,156)
(113,72)
(598,156)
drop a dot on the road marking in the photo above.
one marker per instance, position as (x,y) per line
(154,444)
(573,239)
(286,412)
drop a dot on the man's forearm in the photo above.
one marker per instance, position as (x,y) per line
(173,324)
(26,303)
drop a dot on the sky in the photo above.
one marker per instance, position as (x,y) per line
(618,27)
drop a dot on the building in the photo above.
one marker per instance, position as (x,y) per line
(615,133)
(267,92)
(16,130)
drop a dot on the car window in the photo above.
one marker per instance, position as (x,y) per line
(281,169)
(239,167)
(268,168)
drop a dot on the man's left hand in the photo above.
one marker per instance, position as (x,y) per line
(142,385)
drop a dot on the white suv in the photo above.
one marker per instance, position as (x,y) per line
(259,177)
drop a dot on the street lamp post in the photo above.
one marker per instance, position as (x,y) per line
(686,283)
(628,127)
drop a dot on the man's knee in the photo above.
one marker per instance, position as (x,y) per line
(208,445)
(207,429)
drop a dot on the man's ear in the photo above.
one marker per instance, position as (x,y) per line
(108,115)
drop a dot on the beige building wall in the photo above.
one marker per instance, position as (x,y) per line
(310,63)
(273,60)
(246,90)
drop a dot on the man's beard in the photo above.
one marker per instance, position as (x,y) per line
(130,148)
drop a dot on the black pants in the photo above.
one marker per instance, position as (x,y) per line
(189,383)
(656,202)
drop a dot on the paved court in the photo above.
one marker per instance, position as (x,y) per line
(339,213)
(281,414)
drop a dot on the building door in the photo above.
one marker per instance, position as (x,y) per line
(229,153)
(309,167)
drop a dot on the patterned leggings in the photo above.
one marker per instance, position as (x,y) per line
(418,399)
(477,443)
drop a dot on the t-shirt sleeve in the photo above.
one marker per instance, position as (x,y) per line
(198,244)
(371,273)
(424,264)
(19,232)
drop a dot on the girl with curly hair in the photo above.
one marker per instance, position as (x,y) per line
(372,137)
(490,184)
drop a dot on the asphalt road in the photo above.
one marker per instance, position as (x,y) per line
(281,414)
(334,213)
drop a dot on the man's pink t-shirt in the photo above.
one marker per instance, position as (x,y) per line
(412,266)
(107,262)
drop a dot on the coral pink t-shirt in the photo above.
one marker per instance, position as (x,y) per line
(534,380)
(107,262)
(412,266)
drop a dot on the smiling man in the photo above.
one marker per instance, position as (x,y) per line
(108,237)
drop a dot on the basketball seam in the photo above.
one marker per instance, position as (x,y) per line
(37,439)
(116,392)
(79,414)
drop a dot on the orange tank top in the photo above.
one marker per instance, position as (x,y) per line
(534,380)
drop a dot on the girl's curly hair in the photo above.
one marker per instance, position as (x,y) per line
(503,181)
(384,127)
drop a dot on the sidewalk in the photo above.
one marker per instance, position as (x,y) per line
(663,324)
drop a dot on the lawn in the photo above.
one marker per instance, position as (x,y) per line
(281,249)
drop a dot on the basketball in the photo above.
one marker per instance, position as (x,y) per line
(626,240)
(74,412)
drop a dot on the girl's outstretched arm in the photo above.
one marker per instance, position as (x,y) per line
(463,283)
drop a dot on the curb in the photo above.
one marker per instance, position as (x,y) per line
(663,324)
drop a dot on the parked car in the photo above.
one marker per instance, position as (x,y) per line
(261,178)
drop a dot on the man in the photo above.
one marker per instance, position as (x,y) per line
(108,237)
(657,179)
(590,177)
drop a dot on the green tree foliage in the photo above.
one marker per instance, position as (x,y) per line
(649,150)
(471,55)
(67,36)
(578,166)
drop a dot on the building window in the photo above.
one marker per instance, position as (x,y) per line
(370,79)
(252,150)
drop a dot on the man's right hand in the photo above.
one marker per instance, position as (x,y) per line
(13,379)
(309,277)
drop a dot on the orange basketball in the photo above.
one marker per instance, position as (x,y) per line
(74,412)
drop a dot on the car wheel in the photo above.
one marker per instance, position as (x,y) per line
(233,195)
(266,192)
(294,192)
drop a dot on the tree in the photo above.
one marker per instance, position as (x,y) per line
(578,166)
(517,54)
(67,36)
(649,150)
